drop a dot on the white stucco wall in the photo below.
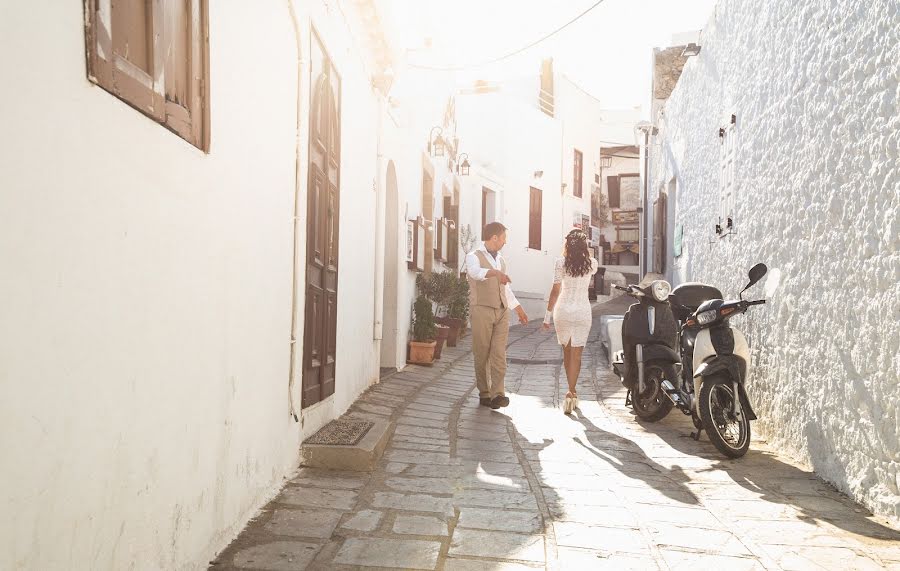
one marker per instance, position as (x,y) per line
(814,87)
(144,344)
(508,140)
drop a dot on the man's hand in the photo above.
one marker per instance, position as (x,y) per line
(545,327)
(504,279)
(523,317)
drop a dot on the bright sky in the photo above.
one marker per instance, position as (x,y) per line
(607,51)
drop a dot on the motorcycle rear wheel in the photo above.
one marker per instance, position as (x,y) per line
(730,435)
(652,404)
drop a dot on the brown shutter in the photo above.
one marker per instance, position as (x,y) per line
(534,219)
(484,194)
(578,166)
(123,52)
(612,189)
(452,213)
(183,68)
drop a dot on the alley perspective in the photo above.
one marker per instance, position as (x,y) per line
(407,284)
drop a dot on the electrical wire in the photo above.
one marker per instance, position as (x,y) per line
(514,52)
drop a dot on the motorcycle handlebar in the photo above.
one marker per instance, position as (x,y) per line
(757,302)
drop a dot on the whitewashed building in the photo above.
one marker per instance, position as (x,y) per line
(780,144)
(189,197)
(534,145)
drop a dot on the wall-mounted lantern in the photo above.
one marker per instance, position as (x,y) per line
(462,166)
(436,145)
(605,162)
(691,49)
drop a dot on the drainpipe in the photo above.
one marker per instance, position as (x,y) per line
(643,248)
(298,192)
(377,333)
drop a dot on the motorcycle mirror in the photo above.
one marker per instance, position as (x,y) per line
(755,274)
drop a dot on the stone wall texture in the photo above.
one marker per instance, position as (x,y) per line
(814,88)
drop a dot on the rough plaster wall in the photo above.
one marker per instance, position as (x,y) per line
(814,86)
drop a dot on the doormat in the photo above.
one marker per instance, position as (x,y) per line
(341,433)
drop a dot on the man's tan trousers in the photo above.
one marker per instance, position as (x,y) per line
(490,330)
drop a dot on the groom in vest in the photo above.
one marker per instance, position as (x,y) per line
(491,298)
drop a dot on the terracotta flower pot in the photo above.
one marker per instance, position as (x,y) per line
(455,326)
(421,353)
(441,334)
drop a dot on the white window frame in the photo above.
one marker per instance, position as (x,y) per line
(727,181)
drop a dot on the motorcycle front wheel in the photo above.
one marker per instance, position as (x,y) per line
(728,433)
(652,404)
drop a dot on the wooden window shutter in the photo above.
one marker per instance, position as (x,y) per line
(123,51)
(152,55)
(453,235)
(534,219)
(612,189)
(579,174)
(183,71)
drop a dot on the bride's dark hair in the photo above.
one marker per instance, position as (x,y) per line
(577,256)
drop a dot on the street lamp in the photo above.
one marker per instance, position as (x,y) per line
(462,166)
(691,49)
(605,162)
(436,144)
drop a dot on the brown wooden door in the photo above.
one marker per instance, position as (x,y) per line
(535,216)
(322,231)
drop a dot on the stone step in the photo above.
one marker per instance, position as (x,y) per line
(335,446)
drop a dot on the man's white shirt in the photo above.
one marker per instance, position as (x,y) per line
(476,272)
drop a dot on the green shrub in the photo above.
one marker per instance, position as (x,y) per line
(458,307)
(423,321)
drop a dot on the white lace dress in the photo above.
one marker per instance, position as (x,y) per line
(572,312)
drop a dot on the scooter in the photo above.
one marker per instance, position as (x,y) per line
(649,355)
(713,362)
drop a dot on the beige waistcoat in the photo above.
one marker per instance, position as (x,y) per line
(489,292)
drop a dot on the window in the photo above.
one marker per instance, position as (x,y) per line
(726,178)
(579,173)
(153,56)
(534,219)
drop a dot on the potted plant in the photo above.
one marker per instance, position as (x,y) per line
(421,347)
(437,288)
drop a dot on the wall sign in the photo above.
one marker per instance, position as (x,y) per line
(625,217)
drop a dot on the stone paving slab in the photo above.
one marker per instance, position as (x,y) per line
(463,487)
(390,553)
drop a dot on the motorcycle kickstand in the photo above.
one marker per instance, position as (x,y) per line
(696,435)
(628,398)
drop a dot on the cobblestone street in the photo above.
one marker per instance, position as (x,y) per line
(462,487)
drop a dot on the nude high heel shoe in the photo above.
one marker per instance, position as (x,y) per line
(570,404)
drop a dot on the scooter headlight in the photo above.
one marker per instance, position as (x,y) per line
(707,316)
(660,290)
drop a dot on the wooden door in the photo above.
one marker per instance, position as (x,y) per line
(322,231)
(535,217)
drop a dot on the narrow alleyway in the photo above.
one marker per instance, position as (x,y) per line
(462,487)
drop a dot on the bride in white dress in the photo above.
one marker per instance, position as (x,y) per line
(569,307)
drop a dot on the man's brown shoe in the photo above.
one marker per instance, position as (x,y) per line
(499,401)
(484,401)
